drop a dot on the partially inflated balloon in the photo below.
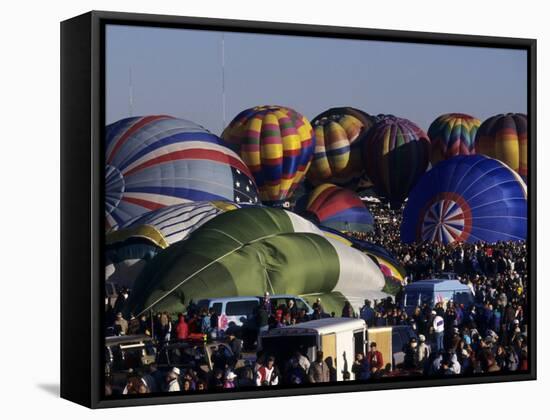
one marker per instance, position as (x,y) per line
(504,137)
(451,135)
(396,152)
(339,133)
(277,145)
(155,161)
(467,199)
(130,245)
(339,208)
(250,251)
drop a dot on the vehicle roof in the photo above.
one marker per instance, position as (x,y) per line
(437,284)
(231,298)
(321,326)
(238,298)
(126,339)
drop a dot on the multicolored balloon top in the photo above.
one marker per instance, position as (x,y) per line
(339,208)
(467,199)
(504,137)
(451,135)
(155,161)
(396,153)
(277,145)
(339,133)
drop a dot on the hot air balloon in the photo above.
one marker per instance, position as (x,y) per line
(387,263)
(339,208)
(467,199)
(504,137)
(451,135)
(277,145)
(249,251)
(157,160)
(130,245)
(339,133)
(396,152)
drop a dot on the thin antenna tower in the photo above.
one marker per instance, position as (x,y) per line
(223,81)
(130,94)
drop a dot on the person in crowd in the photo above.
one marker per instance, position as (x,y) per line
(172,380)
(319,370)
(423,350)
(347,310)
(182,329)
(229,382)
(367,313)
(267,374)
(361,368)
(438,328)
(318,307)
(236,345)
(411,355)
(121,324)
(375,359)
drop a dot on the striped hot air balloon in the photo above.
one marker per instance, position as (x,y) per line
(396,152)
(339,208)
(467,199)
(339,133)
(130,245)
(504,137)
(451,135)
(157,160)
(277,145)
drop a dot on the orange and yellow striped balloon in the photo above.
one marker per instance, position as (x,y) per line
(504,137)
(339,133)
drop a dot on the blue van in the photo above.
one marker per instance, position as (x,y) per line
(434,291)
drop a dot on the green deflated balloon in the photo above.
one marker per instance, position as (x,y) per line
(250,251)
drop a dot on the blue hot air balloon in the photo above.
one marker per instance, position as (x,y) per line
(467,199)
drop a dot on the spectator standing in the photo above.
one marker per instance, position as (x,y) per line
(319,370)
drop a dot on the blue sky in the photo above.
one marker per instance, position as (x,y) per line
(179,72)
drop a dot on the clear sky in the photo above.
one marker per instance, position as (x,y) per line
(179,72)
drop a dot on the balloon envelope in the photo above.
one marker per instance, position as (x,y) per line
(451,135)
(467,199)
(504,137)
(339,133)
(249,251)
(339,208)
(130,245)
(277,145)
(155,161)
(396,152)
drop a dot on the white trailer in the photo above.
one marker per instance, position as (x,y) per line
(340,339)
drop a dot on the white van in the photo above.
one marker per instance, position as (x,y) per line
(236,309)
(340,339)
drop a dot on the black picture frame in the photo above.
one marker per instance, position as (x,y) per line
(82,204)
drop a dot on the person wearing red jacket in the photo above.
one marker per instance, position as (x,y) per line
(182,329)
(376,361)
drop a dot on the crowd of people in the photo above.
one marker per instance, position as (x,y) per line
(489,335)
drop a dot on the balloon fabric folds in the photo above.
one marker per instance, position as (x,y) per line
(338,208)
(504,137)
(249,251)
(396,152)
(157,160)
(277,145)
(451,135)
(467,199)
(339,133)
(132,244)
